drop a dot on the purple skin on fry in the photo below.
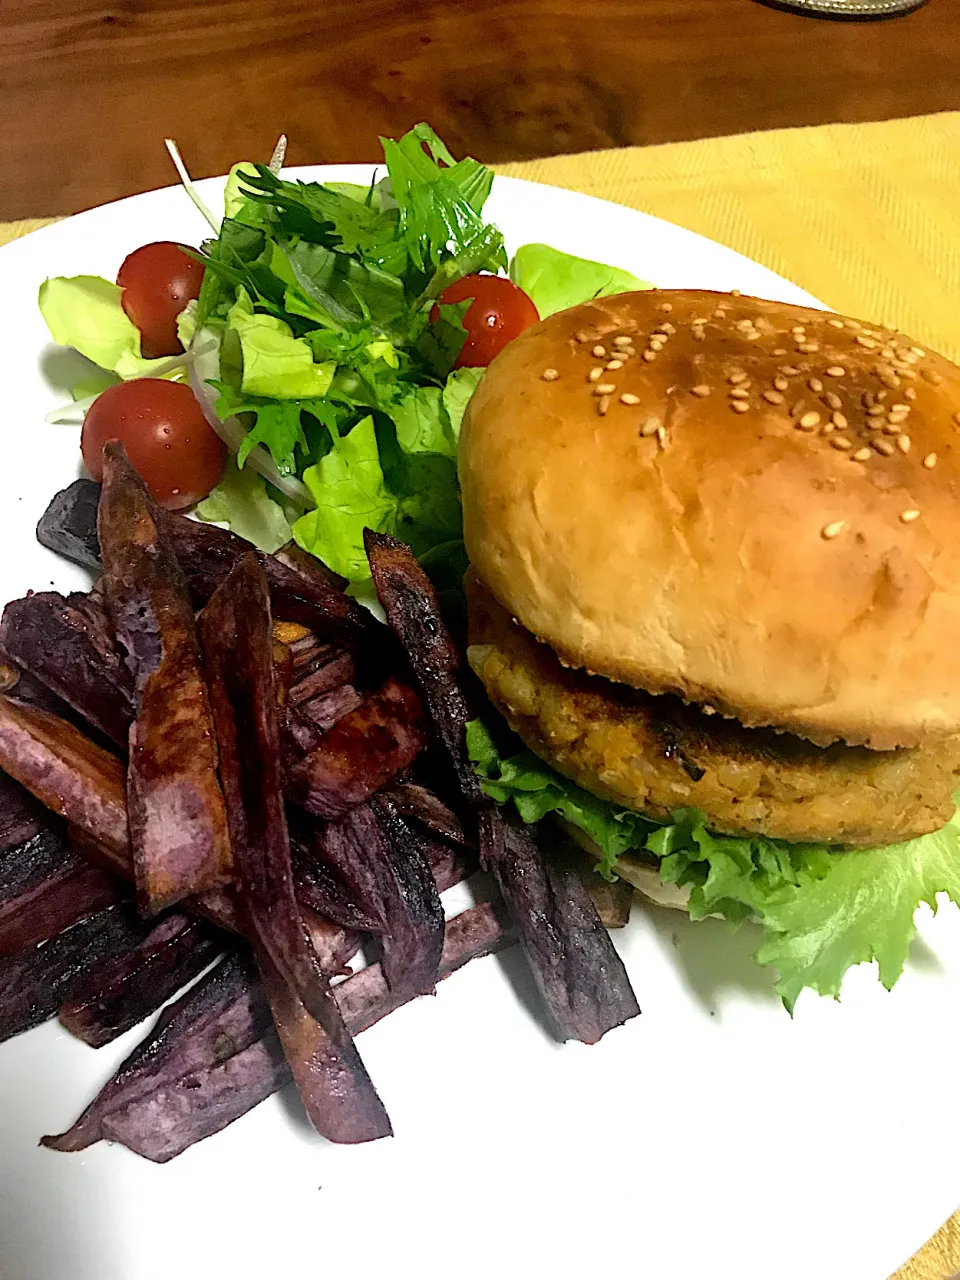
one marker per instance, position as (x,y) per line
(364,750)
(67,644)
(580,976)
(35,982)
(225,1073)
(115,996)
(178,822)
(236,629)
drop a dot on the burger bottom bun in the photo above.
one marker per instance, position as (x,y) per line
(654,754)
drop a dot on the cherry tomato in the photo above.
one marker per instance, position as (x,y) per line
(500,312)
(167,438)
(158,280)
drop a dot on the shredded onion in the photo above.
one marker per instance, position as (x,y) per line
(206,367)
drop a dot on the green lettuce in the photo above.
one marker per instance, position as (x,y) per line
(556,280)
(241,501)
(85,312)
(457,391)
(822,910)
(367,480)
(274,363)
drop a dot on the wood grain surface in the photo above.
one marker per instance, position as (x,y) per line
(89,89)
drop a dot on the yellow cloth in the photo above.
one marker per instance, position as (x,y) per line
(866,217)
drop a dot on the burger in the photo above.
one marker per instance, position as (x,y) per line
(715,596)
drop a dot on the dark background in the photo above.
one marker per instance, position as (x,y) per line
(88,90)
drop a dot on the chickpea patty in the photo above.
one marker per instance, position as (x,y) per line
(656,755)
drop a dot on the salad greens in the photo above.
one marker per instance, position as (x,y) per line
(556,280)
(332,353)
(821,911)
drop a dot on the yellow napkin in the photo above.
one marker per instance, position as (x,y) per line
(866,217)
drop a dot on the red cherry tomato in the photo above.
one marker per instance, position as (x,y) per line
(158,280)
(500,312)
(167,438)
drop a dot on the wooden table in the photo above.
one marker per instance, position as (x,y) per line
(89,88)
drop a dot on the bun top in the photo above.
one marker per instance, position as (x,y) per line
(752,505)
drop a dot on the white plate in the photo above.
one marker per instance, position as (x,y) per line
(711,1136)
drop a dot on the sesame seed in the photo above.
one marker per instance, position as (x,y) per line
(739,406)
(908,357)
(604,388)
(836,371)
(790,369)
(781,383)
(780,351)
(614,364)
(550,375)
(741,324)
(841,442)
(918,351)
(701,390)
(808,348)
(866,342)
(903,443)
(899,408)
(599,352)
(897,419)
(662,436)
(880,397)
(833,400)
(628,351)
(666,306)
(852,324)
(739,393)
(735,293)
(875,411)
(809,420)
(931,377)
(883,446)
(887,353)
(907,373)
(623,340)
(629,398)
(890,379)
(738,375)
(603,404)
(650,427)
(827,429)
(910,393)
(667,328)
(657,341)
(832,529)
(863,455)
(582,336)
(649,356)
(910,515)
(838,420)
(835,324)
(773,397)
(892,428)
(595,374)
(930,461)
(815,385)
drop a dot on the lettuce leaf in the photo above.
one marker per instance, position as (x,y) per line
(241,501)
(556,280)
(274,363)
(84,312)
(457,390)
(367,480)
(822,910)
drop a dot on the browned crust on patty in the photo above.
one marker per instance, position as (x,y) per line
(656,755)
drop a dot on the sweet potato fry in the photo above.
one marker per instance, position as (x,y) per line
(178,823)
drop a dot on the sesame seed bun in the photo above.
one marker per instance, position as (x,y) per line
(751,505)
